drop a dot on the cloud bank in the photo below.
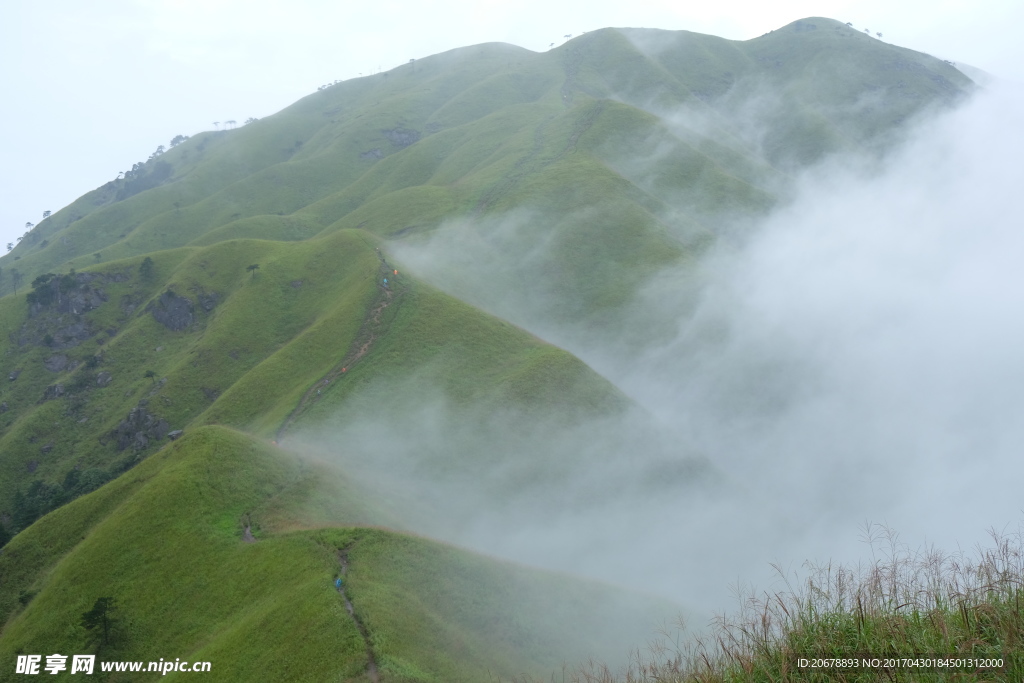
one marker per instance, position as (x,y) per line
(854,357)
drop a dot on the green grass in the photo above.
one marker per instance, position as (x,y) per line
(482,111)
(164,538)
(165,541)
(170,553)
(459,616)
(470,360)
(266,340)
(903,605)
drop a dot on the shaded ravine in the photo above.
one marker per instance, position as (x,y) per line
(371,663)
(371,330)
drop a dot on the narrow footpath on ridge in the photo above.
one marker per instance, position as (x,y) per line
(372,328)
(371,665)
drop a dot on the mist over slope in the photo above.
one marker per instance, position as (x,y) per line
(852,356)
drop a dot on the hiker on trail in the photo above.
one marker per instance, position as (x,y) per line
(317,392)
(385,282)
(337,583)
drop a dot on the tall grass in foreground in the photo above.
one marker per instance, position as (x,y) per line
(904,604)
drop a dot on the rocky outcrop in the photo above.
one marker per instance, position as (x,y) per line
(173,311)
(70,335)
(57,306)
(139,429)
(74,293)
(103,379)
(402,137)
(57,363)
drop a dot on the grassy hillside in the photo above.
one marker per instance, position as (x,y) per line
(481,130)
(257,350)
(162,333)
(908,616)
(263,350)
(168,543)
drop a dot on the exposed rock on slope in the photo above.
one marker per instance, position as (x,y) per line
(172,311)
(139,428)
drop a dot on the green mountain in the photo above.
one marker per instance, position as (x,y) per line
(167,330)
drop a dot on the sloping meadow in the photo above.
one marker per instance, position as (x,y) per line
(169,544)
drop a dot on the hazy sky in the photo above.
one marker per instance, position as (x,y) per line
(90,88)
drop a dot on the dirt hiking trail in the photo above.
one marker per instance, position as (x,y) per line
(369,332)
(371,665)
